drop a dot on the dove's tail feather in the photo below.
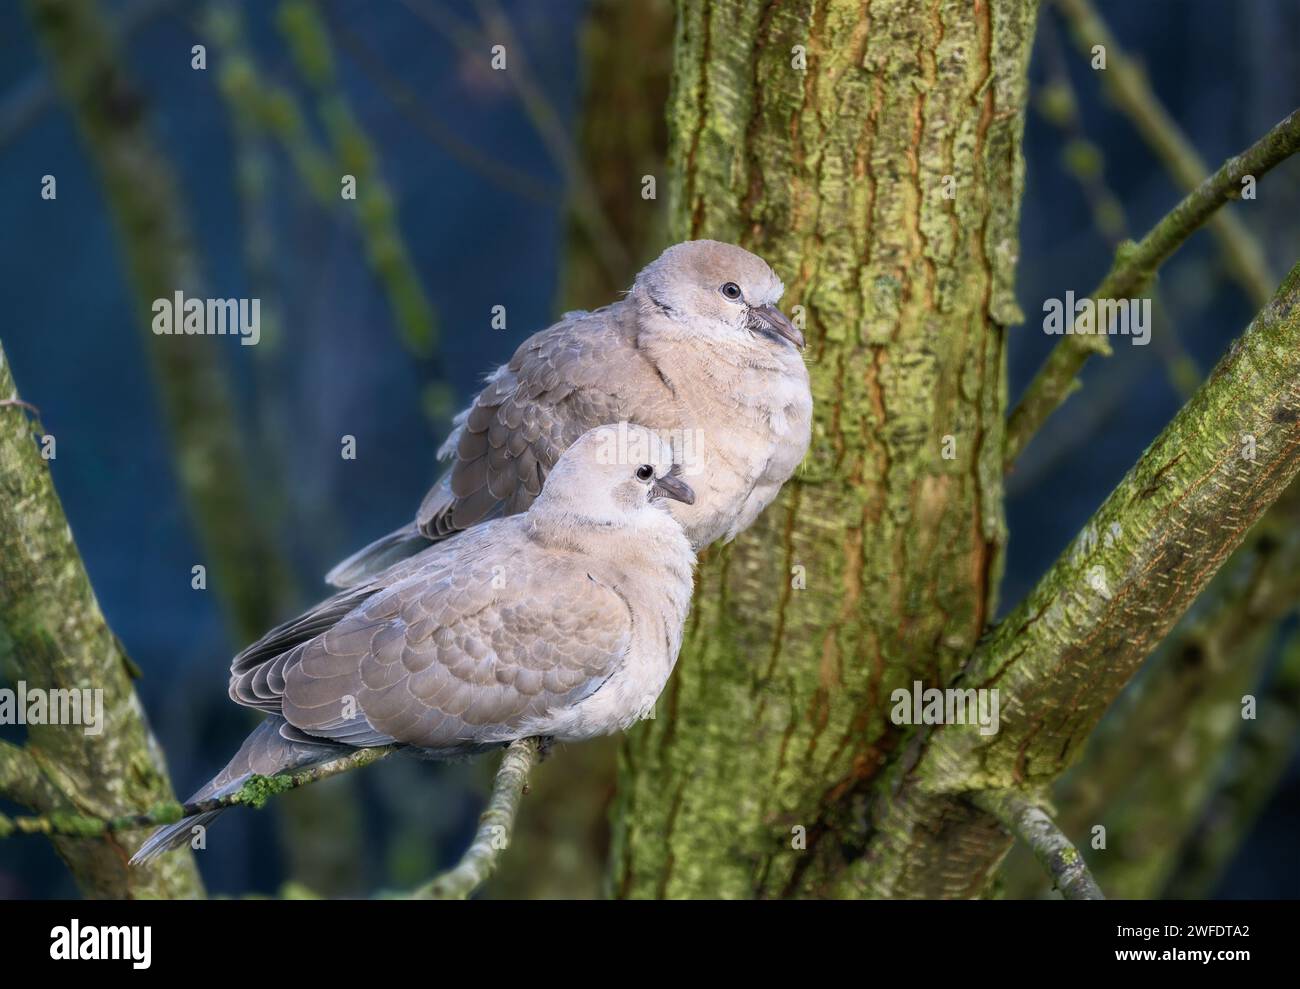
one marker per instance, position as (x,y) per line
(274,746)
(378,556)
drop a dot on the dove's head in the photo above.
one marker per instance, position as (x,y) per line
(612,478)
(719,292)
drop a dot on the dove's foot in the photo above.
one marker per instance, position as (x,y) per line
(544,745)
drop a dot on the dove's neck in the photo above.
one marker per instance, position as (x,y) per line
(628,540)
(728,369)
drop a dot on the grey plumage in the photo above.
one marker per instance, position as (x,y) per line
(564,621)
(676,355)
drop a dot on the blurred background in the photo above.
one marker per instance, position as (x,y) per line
(476,189)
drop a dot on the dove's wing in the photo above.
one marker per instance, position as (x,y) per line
(441,659)
(582,372)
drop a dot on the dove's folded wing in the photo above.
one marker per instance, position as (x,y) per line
(560,383)
(439,661)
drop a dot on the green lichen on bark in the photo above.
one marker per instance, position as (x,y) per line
(53,636)
(777,716)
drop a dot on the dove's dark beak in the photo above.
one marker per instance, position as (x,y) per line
(672,486)
(772,323)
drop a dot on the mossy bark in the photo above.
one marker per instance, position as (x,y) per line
(883,184)
(54,637)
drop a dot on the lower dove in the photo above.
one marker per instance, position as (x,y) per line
(561,622)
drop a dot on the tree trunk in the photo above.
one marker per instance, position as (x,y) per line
(54,637)
(883,184)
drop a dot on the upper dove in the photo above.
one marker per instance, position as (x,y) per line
(696,350)
(562,622)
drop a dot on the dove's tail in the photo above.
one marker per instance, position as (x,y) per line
(275,746)
(378,556)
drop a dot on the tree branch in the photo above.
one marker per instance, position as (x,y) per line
(53,635)
(495,827)
(543,116)
(1254,767)
(304,30)
(1126,84)
(1062,656)
(21,779)
(152,221)
(1032,825)
(1157,756)
(254,793)
(1133,267)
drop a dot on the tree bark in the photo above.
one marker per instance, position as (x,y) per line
(54,637)
(878,565)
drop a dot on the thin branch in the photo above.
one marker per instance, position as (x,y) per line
(153,223)
(545,120)
(1058,103)
(1032,825)
(54,636)
(495,828)
(254,793)
(1133,267)
(1127,86)
(18,403)
(30,99)
(505,176)
(1254,767)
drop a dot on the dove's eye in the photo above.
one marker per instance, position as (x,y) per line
(645,472)
(731,291)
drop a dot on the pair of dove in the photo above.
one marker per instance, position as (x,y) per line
(544,585)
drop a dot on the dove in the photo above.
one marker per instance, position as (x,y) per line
(697,349)
(563,622)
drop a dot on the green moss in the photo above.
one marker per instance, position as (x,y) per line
(259,789)
(76,825)
(167,812)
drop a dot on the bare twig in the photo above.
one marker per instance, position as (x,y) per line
(1032,825)
(543,116)
(253,793)
(28,100)
(1255,764)
(495,827)
(1127,86)
(18,403)
(1133,267)
(1057,102)
(409,103)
